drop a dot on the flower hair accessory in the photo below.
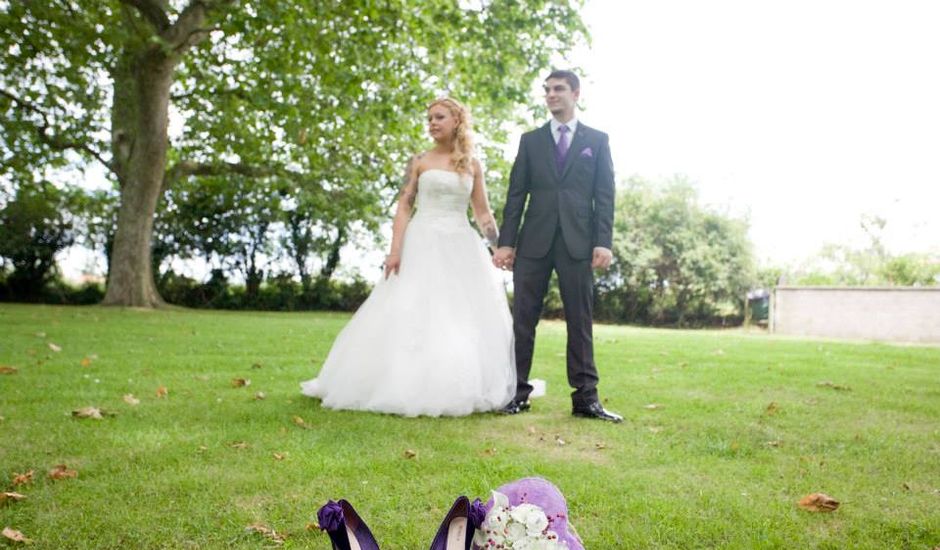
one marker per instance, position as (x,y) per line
(521,527)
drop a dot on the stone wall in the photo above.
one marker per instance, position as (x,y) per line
(899,314)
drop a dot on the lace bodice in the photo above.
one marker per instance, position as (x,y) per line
(443,197)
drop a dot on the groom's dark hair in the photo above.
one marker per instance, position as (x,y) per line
(569,76)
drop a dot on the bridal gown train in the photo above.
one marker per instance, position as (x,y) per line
(436,339)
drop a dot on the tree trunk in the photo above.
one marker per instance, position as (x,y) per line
(332,260)
(139,118)
(139,133)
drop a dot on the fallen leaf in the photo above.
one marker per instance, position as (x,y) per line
(600,445)
(298,421)
(61,471)
(532,430)
(837,387)
(266,532)
(773,443)
(260,395)
(905,486)
(86,361)
(40,334)
(239,445)
(652,406)
(409,453)
(771,409)
(131,400)
(89,412)
(279,456)
(22,479)
(559,441)
(202,448)
(491,451)
(54,347)
(312,526)
(818,502)
(240,382)
(162,391)
(14,535)
(10,496)
(4,369)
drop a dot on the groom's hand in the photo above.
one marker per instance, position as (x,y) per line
(602,258)
(504,257)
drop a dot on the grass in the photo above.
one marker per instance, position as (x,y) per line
(742,429)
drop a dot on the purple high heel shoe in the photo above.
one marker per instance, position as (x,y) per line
(346,529)
(456,531)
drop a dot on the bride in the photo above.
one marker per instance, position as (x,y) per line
(435,336)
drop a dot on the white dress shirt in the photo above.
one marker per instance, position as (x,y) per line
(571,124)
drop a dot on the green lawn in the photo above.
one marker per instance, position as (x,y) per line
(741,430)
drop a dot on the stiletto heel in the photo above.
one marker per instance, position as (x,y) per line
(346,529)
(456,531)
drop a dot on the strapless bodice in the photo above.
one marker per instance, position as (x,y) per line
(443,196)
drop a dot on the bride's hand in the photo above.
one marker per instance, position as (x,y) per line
(392,263)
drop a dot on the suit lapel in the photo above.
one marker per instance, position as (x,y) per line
(549,146)
(576,143)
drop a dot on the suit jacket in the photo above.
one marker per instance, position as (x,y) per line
(580,200)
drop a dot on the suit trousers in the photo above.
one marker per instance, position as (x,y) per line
(576,282)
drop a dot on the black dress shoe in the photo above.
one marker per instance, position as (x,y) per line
(595,410)
(514,407)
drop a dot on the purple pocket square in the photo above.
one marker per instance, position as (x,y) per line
(586,152)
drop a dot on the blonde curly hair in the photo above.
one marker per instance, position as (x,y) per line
(463,133)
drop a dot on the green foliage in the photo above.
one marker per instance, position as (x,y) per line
(675,261)
(35,225)
(712,466)
(871,265)
(323,102)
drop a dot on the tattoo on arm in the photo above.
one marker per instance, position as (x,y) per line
(491,233)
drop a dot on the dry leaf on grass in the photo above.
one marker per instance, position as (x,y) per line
(89,412)
(86,362)
(410,453)
(266,532)
(240,382)
(131,400)
(162,391)
(61,471)
(239,445)
(559,441)
(22,479)
(54,347)
(260,396)
(280,456)
(491,451)
(298,421)
(10,496)
(652,406)
(14,535)
(772,408)
(600,445)
(837,387)
(4,369)
(818,502)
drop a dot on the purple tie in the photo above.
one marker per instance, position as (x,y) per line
(561,148)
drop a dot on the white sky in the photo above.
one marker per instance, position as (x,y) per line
(806,114)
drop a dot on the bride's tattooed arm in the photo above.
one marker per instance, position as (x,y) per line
(406,204)
(481,208)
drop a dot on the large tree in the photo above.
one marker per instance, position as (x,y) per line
(324,95)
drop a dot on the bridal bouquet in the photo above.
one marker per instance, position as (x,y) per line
(521,527)
(526,514)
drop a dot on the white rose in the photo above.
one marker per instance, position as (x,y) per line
(515,531)
(532,517)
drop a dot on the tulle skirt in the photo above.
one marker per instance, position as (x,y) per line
(434,340)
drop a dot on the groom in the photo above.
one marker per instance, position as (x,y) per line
(565,171)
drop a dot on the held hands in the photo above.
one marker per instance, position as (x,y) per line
(392,264)
(504,257)
(602,258)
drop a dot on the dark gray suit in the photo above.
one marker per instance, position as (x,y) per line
(567,215)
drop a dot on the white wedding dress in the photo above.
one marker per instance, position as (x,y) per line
(436,339)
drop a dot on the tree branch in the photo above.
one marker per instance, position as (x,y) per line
(186,168)
(188,29)
(57,143)
(152,11)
